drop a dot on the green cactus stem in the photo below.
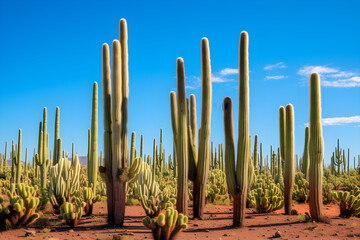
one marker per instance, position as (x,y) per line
(237,179)
(180,135)
(305,158)
(115,104)
(316,151)
(56,136)
(289,174)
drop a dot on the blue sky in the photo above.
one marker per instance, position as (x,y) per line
(51,55)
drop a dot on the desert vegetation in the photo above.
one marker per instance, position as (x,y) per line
(175,188)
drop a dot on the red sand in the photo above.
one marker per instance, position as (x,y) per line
(257,226)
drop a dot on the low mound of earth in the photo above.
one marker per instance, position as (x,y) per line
(217,226)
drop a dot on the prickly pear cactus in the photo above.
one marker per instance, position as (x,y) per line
(349,202)
(21,211)
(266,196)
(166,226)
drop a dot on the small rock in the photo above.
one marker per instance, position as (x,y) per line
(225,235)
(71,230)
(298,236)
(335,234)
(350,235)
(277,234)
(341,224)
(207,230)
(293,212)
(196,225)
(29,233)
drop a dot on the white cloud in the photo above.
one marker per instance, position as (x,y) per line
(343,83)
(276,65)
(229,71)
(216,79)
(308,70)
(192,82)
(275,77)
(340,120)
(332,77)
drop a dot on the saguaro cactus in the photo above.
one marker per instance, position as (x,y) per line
(315,149)
(198,158)
(237,179)
(289,174)
(199,161)
(93,148)
(57,155)
(305,158)
(18,160)
(256,156)
(116,150)
(180,135)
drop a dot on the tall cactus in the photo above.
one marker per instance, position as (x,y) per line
(316,151)
(41,158)
(261,160)
(185,132)
(180,136)
(116,150)
(305,158)
(237,179)
(256,156)
(56,136)
(338,160)
(201,158)
(289,174)
(17,161)
(93,154)
(5,157)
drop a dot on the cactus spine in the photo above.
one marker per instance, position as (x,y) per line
(315,149)
(116,150)
(305,158)
(289,174)
(237,179)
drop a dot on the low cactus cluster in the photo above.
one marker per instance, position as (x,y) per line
(166,226)
(300,188)
(266,196)
(72,212)
(21,210)
(349,202)
(216,189)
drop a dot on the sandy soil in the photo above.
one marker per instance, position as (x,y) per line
(257,226)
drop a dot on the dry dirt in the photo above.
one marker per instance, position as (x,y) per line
(218,226)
